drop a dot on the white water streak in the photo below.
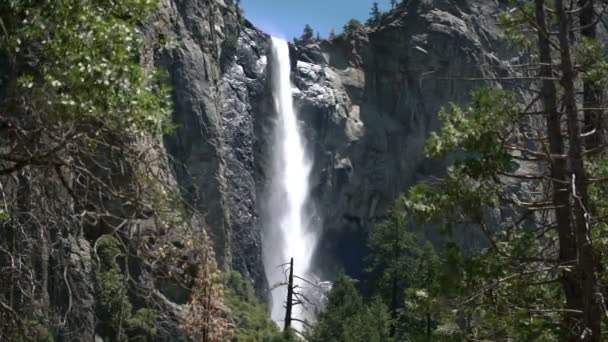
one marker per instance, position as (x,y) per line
(287,232)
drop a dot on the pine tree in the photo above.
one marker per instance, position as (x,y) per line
(399,266)
(391,258)
(538,276)
(375,15)
(347,318)
(352,26)
(307,35)
(332,35)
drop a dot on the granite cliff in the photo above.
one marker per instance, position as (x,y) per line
(367,99)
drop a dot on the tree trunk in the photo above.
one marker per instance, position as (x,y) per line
(591,91)
(589,329)
(289,301)
(567,242)
(395,286)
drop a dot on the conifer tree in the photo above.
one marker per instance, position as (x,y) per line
(401,269)
(307,35)
(524,182)
(347,318)
(375,15)
(332,35)
(352,26)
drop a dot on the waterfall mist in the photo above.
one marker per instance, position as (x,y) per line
(287,230)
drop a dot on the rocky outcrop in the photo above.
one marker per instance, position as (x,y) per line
(245,94)
(217,74)
(87,254)
(368,101)
(194,33)
(372,101)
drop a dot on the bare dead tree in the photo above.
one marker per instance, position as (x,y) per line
(289,300)
(295,296)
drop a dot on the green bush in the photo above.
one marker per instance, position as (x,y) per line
(352,26)
(113,308)
(250,315)
(348,318)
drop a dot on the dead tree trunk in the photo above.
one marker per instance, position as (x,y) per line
(289,301)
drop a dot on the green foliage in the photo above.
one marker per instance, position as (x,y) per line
(514,287)
(477,129)
(370,325)
(250,316)
(598,192)
(113,307)
(352,27)
(478,135)
(398,259)
(490,290)
(86,62)
(375,15)
(307,35)
(516,24)
(347,318)
(4,216)
(34,331)
(402,3)
(403,272)
(142,325)
(286,337)
(108,249)
(592,57)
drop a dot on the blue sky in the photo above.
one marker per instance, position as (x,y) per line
(286,18)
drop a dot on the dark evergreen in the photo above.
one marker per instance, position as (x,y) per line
(307,35)
(375,15)
(348,318)
(352,26)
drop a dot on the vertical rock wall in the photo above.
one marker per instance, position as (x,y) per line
(216,66)
(370,101)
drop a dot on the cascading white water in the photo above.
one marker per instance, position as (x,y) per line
(287,233)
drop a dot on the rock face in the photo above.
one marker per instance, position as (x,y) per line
(372,101)
(367,100)
(214,64)
(217,74)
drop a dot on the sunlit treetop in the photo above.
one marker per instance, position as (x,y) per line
(80,61)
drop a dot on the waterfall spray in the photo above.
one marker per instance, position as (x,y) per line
(287,233)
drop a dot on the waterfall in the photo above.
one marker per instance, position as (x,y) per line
(287,230)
